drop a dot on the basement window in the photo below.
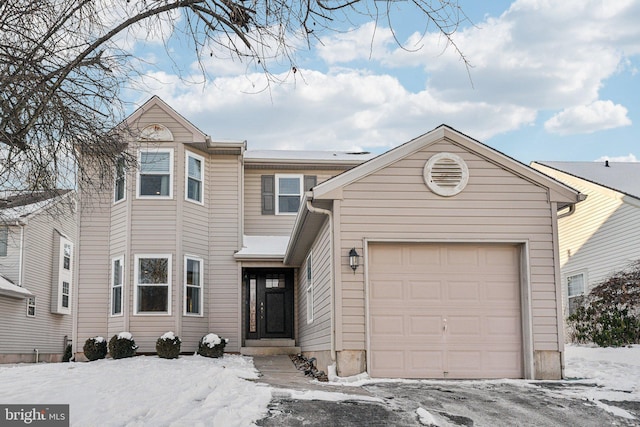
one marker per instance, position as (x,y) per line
(446,174)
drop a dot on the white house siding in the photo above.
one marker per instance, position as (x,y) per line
(10,264)
(20,334)
(395,204)
(316,336)
(600,237)
(257,224)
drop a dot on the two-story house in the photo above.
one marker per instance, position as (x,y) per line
(37,236)
(437,259)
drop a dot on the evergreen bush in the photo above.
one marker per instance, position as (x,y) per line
(95,348)
(609,315)
(211,345)
(122,345)
(168,346)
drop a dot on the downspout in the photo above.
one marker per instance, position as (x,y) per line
(20,224)
(572,209)
(314,209)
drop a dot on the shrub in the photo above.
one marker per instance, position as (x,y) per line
(122,345)
(95,348)
(211,345)
(168,346)
(68,353)
(609,315)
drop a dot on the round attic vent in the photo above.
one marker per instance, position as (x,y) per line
(446,174)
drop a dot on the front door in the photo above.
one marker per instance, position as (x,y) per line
(269,301)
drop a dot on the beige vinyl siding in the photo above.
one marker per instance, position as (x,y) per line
(223,282)
(94,266)
(600,237)
(256,224)
(316,336)
(10,264)
(395,204)
(21,334)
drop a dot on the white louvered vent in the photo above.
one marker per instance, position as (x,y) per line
(446,174)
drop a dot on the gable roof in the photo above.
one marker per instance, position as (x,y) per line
(559,192)
(15,205)
(623,177)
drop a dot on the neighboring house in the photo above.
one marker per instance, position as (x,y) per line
(437,259)
(37,236)
(602,235)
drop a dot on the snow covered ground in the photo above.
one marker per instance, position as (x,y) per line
(198,391)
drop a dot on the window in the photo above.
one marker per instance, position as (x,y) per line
(288,192)
(153,284)
(65,294)
(155,175)
(194,178)
(120,181)
(193,286)
(66,256)
(309,269)
(575,291)
(117,277)
(4,237)
(31,307)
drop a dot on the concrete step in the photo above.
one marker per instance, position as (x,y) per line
(268,351)
(270,342)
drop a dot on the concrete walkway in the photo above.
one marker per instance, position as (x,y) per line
(279,371)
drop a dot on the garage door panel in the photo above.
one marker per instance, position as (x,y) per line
(473,289)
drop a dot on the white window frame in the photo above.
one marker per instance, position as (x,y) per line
(277,192)
(199,286)
(308,265)
(120,163)
(137,285)
(140,174)
(66,294)
(68,257)
(187,176)
(575,295)
(4,240)
(113,286)
(63,275)
(31,303)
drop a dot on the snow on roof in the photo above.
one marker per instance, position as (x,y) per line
(15,205)
(263,247)
(317,156)
(8,288)
(620,176)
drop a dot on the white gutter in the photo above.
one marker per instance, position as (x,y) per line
(314,209)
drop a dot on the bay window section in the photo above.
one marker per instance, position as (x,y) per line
(193,286)
(120,180)
(155,174)
(117,276)
(153,284)
(194,178)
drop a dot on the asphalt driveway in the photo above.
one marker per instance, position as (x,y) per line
(455,403)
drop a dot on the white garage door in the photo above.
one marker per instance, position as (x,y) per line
(445,311)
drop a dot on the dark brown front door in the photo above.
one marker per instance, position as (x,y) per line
(269,298)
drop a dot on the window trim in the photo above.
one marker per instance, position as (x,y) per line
(4,240)
(578,295)
(112,286)
(137,285)
(277,192)
(309,294)
(139,173)
(120,163)
(66,294)
(31,303)
(199,286)
(189,154)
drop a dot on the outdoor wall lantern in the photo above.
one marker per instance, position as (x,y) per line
(354,259)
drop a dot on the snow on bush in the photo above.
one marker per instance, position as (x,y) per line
(211,345)
(168,346)
(122,345)
(95,348)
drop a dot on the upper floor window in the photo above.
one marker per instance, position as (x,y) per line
(31,307)
(575,291)
(194,179)
(153,284)
(193,286)
(66,256)
(120,180)
(155,177)
(4,237)
(288,193)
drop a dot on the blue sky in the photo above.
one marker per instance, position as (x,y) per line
(549,80)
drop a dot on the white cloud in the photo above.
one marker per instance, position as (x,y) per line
(590,118)
(628,158)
